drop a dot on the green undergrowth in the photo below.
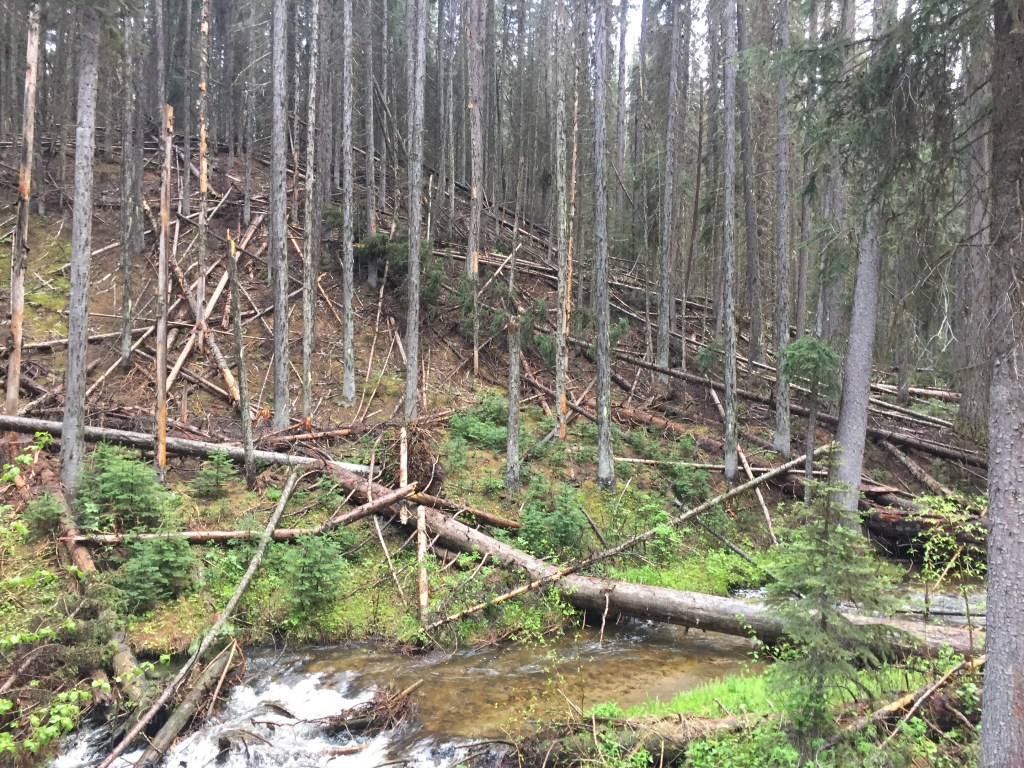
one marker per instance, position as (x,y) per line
(768,744)
(47,285)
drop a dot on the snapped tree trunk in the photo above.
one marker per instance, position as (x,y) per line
(348,376)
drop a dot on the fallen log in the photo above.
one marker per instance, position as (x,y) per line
(905,528)
(187,709)
(210,638)
(176,445)
(279,534)
(908,440)
(916,470)
(691,609)
(617,598)
(453,506)
(909,702)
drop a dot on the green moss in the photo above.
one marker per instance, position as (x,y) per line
(712,573)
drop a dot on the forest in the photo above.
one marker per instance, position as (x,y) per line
(613,383)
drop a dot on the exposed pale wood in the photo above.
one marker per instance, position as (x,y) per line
(916,470)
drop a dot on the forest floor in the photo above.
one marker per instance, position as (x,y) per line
(667,445)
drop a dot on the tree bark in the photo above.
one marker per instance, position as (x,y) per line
(605,461)
(132,240)
(781,438)
(975,379)
(512,446)
(278,258)
(749,206)
(73,438)
(475,48)
(666,296)
(348,385)
(859,364)
(204,162)
(416,67)
(19,253)
(562,223)
(311,208)
(248,460)
(729,247)
(1002,723)
(161,290)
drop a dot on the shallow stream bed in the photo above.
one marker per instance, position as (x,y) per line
(470,701)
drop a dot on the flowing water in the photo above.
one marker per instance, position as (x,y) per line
(468,703)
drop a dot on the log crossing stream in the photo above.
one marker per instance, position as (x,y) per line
(469,701)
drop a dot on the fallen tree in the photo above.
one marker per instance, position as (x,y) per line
(278,534)
(176,445)
(611,598)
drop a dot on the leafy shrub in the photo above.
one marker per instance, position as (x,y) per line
(707,356)
(42,515)
(211,480)
(484,424)
(312,565)
(118,491)
(689,484)
(156,569)
(552,522)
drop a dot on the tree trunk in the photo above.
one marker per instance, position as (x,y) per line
(19,253)
(132,241)
(204,163)
(729,247)
(621,123)
(562,223)
(160,33)
(311,211)
(782,433)
(278,259)
(475,47)
(1002,726)
(371,143)
(512,447)
(73,439)
(348,385)
(161,291)
(859,364)
(665,293)
(248,460)
(416,66)
(975,380)
(749,207)
(605,461)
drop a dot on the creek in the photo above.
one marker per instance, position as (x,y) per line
(470,702)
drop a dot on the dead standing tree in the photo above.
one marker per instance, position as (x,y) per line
(19,253)
(73,438)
